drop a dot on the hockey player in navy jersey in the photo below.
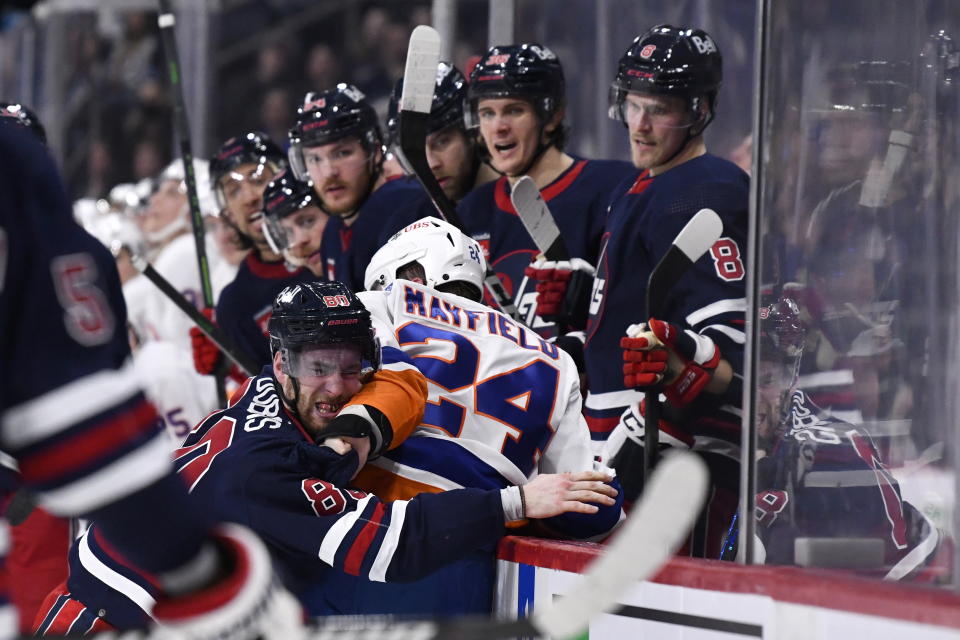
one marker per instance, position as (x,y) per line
(239,173)
(452,150)
(282,456)
(517,102)
(824,495)
(294,222)
(337,144)
(665,93)
(85,438)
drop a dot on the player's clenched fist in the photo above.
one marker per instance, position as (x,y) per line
(551,494)
(662,354)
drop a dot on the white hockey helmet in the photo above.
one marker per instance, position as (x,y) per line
(446,255)
(201,168)
(116,231)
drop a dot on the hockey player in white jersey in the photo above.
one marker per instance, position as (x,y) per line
(503,406)
(172,250)
(504,403)
(181,395)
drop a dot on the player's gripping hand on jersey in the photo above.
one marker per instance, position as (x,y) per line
(563,290)
(662,355)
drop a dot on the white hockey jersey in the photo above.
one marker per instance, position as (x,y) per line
(503,405)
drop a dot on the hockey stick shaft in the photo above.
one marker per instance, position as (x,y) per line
(648,538)
(213,331)
(423,56)
(696,237)
(167,21)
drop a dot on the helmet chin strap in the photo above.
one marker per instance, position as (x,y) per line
(171,229)
(292,403)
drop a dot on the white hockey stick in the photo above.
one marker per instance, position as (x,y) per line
(691,243)
(419,78)
(537,219)
(651,534)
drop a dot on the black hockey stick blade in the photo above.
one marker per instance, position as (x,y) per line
(419,78)
(691,243)
(696,237)
(537,219)
(649,537)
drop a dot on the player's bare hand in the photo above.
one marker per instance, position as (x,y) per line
(555,493)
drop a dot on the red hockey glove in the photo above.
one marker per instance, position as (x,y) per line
(246,601)
(663,352)
(207,358)
(563,289)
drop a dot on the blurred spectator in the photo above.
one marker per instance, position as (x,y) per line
(322,69)
(277,109)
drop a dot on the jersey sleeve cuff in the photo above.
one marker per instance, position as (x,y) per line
(512,504)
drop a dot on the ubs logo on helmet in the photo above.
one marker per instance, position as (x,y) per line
(648,50)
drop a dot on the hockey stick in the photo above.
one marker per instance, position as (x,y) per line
(537,219)
(419,77)
(651,534)
(214,332)
(166,20)
(691,243)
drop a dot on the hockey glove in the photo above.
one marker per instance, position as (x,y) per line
(207,357)
(246,600)
(563,290)
(663,356)
(361,421)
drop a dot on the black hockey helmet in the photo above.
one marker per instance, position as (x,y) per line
(782,336)
(318,314)
(530,71)
(669,60)
(253,147)
(18,114)
(284,196)
(449,95)
(328,116)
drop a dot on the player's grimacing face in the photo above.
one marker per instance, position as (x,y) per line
(449,154)
(328,376)
(657,126)
(340,172)
(510,129)
(242,190)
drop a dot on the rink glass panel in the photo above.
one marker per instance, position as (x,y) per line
(867,248)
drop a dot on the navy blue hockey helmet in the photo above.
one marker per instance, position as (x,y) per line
(782,336)
(449,95)
(284,196)
(18,114)
(530,71)
(669,60)
(253,147)
(319,314)
(328,116)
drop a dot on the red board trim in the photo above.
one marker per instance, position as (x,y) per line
(816,588)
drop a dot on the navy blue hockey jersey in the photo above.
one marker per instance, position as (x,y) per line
(825,479)
(347,250)
(252,463)
(71,411)
(710,298)
(245,305)
(577,199)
